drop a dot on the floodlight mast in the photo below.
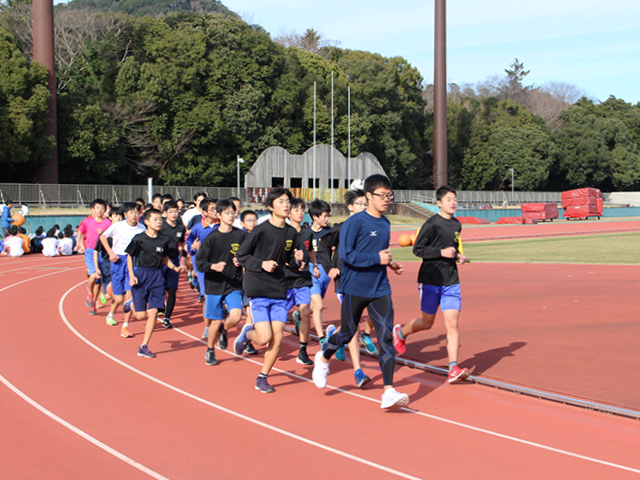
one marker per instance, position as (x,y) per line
(43,52)
(440,97)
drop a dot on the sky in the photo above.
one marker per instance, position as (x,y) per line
(591,44)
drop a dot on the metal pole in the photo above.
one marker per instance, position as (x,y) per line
(331,181)
(314,140)
(440,97)
(150,188)
(511,184)
(238,163)
(349,138)
(43,52)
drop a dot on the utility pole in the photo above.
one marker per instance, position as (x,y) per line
(440,97)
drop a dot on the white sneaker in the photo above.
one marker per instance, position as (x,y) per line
(320,371)
(391,398)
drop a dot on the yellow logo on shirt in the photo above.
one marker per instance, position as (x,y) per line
(288,245)
(234,248)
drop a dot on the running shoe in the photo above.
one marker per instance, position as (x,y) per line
(457,374)
(210,357)
(200,299)
(329,332)
(103,299)
(303,358)
(263,385)
(92,310)
(160,312)
(365,340)
(320,371)
(126,306)
(296,321)
(392,399)
(111,321)
(125,332)
(250,349)
(223,341)
(398,344)
(89,301)
(144,351)
(340,354)
(361,378)
(242,340)
(166,323)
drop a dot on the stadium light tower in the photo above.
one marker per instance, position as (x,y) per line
(440,97)
(43,52)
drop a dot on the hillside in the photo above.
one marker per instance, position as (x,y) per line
(141,8)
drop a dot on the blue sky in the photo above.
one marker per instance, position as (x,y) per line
(592,44)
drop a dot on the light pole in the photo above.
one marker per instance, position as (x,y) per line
(239,161)
(511,184)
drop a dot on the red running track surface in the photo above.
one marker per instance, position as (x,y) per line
(173,417)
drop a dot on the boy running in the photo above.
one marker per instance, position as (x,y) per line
(148,250)
(365,255)
(175,231)
(438,281)
(271,248)
(222,278)
(319,210)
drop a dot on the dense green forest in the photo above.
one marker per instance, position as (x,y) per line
(178,90)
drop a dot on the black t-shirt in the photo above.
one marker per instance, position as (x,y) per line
(268,242)
(328,252)
(101,250)
(176,236)
(148,251)
(221,247)
(317,236)
(302,278)
(436,234)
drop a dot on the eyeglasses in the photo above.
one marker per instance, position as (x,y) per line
(384,196)
(361,204)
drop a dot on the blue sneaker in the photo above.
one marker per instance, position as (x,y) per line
(365,340)
(330,330)
(241,341)
(340,354)
(144,351)
(262,385)
(296,320)
(361,378)
(126,306)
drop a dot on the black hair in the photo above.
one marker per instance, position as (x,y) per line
(156,195)
(13,230)
(9,202)
(199,194)
(51,232)
(39,231)
(128,206)
(443,190)
(60,235)
(376,181)
(166,196)
(204,204)
(180,200)
(274,193)
(116,211)
(139,200)
(318,207)
(222,205)
(169,205)
(190,204)
(68,227)
(22,230)
(298,201)
(246,213)
(234,199)
(150,212)
(352,195)
(147,206)
(68,233)
(98,201)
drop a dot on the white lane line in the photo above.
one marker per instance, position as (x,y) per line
(444,420)
(224,409)
(63,422)
(79,432)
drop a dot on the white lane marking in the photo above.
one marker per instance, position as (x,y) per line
(81,433)
(63,422)
(445,420)
(220,407)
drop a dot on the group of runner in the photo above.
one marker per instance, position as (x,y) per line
(268,267)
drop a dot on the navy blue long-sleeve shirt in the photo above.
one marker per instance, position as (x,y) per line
(362,237)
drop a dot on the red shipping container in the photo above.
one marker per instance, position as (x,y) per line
(599,206)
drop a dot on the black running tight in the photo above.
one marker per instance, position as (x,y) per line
(171,302)
(381,314)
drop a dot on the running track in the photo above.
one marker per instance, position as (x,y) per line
(78,403)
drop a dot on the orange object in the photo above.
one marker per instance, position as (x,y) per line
(18,219)
(404,240)
(110,290)
(413,239)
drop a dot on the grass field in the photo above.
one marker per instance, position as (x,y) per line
(618,248)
